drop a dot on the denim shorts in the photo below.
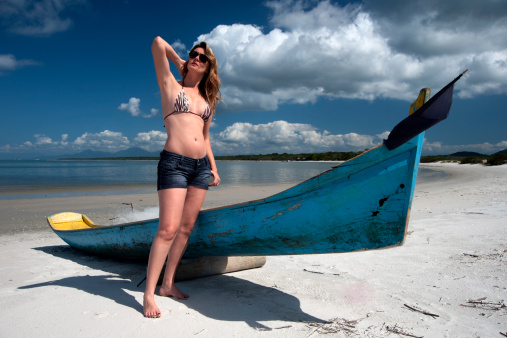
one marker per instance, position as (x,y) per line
(178,171)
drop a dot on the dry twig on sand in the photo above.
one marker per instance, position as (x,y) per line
(470,255)
(399,331)
(335,325)
(321,273)
(421,311)
(131,206)
(481,304)
(274,328)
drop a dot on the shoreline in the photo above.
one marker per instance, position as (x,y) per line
(42,192)
(30,214)
(455,253)
(74,191)
(27,210)
(23,210)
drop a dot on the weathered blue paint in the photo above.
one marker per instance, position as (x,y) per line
(361,204)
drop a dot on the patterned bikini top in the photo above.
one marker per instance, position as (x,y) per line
(181,105)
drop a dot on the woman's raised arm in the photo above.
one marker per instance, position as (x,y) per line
(162,51)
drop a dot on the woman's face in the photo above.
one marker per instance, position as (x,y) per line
(198,60)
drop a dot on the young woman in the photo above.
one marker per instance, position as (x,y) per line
(186,162)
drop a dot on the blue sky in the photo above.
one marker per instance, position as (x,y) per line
(297,76)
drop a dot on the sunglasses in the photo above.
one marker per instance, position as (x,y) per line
(202,57)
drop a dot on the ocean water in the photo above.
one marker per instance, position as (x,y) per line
(62,178)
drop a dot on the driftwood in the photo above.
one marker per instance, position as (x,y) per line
(191,268)
(491,256)
(334,325)
(421,311)
(481,304)
(321,273)
(470,255)
(274,328)
(399,331)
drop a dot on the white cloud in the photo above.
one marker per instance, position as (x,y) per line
(9,62)
(42,140)
(281,136)
(151,141)
(153,112)
(179,47)
(450,27)
(65,137)
(237,139)
(133,108)
(37,18)
(360,52)
(106,140)
(41,144)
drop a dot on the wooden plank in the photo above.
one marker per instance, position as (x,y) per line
(191,268)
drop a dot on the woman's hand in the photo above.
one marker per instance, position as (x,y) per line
(216,179)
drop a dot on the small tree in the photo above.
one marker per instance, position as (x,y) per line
(497,159)
(471,160)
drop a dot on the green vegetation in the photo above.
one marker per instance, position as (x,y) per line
(460,157)
(431,159)
(472,160)
(469,158)
(497,159)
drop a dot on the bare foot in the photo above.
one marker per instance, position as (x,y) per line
(150,308)
(172,292)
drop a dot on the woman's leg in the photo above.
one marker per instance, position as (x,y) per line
(193,203)
(171,206)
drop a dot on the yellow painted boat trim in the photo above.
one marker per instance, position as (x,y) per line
(424,95)
(70,221)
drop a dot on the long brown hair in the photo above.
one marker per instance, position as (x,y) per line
(209,87)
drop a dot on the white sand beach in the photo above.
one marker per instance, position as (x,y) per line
(447,280)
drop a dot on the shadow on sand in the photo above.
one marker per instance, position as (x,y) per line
(221,297)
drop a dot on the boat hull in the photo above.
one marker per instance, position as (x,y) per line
(361,204)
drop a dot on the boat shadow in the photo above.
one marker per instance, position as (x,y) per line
(220,297)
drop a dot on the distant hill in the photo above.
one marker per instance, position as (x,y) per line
(131,152)
(467,153)
(471,153)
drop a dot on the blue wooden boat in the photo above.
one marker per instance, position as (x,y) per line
(361,204)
